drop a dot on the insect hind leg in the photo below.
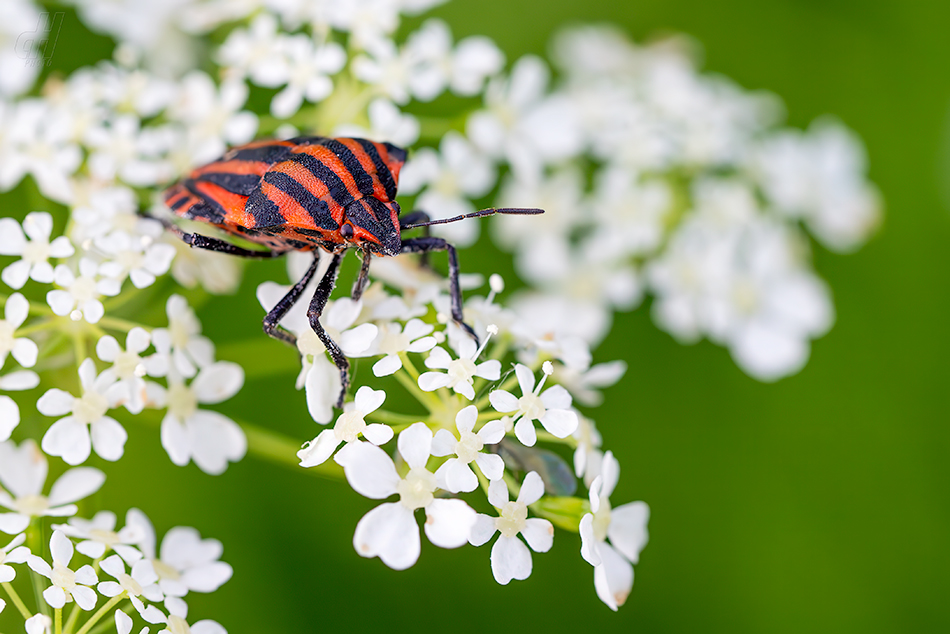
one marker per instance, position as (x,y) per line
(428,244)
(413,217)
(317,304)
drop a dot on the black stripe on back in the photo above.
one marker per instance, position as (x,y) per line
(208,208)
(338,191)
(181,202)
(382,170)
(396,152)
(364,182)
(243,184)
(266,213)
(358,215)
(269,154)
(318,209)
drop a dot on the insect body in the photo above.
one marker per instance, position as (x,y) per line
(311,194)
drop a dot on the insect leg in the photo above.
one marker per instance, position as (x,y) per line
(198,241)
(272,319)
(421,217)
(317,304)
(360,284)
(427,244)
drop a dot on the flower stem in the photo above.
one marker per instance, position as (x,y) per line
(394,418)
(101,612)
(58,620)
(17,601)
(114,323)
(73,617)
(430,401)
(277,448)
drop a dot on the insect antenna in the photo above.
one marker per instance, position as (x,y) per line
(476,214)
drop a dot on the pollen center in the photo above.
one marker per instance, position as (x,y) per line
(182,401)
(34,505)
(602,520)
(468,446)
(83,289)
(415,491)
(127,365)
(461,371)
(531,406)
(36,251)
(90,408)
(63,577)
(512,519)
(164,571)
(130,585)
(6,337)
(349,425)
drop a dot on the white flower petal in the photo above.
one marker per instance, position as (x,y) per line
(431,381)
(415,445)
(539,533)
(323,387)
(628,529)
(559,422)
(207,577)
(498,493)
(389,532)
(55,597)
(503,401)
(613,578)
(55,402)
(590,550)
(490,370)
(525,378)
(108,438)
(492,432)
(390,364)
(215,440)
(85,597)
(69,439)
(443,443)
(492,465)
(16,275)
(525,432)
(378,434)
(531,489)
(218,382)
(456,476)
(482,530)
(319,449)
(556,397)
(369,400)
(449,522)
(61,548)
(510,559)
(368,469)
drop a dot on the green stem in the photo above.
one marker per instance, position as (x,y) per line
(101,612)
(114,323)
(17,601)
(73,617)
(428,399)
(35,309)
(38,326)
(545,436)
(277,448)
(58,620)
(394,419)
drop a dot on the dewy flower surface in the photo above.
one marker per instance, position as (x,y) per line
(655,179)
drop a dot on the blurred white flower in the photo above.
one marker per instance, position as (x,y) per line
(305,68)
(35,251)
(87,427)
(129,368)
(9,410)
(451,177)
(386,123)
(182,340)
(12,553)
(23,472)
(510,558)
(209,438)
(140,257)
(186,563)
(98,535)
(17,73)
(79,296)
(389,531)
(24,350)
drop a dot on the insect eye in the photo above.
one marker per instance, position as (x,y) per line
(346,231)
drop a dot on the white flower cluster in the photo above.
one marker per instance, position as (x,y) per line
(697,198)
(154,582)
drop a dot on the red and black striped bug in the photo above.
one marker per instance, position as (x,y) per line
(312,194)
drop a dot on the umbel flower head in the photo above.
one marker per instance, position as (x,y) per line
(655,180)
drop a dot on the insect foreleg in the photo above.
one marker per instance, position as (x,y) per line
(360,285)
(421,217)
(317,304)
(272,319)
(427,244)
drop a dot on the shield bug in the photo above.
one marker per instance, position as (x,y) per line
(312,194)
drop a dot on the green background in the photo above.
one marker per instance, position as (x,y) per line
(819,503)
